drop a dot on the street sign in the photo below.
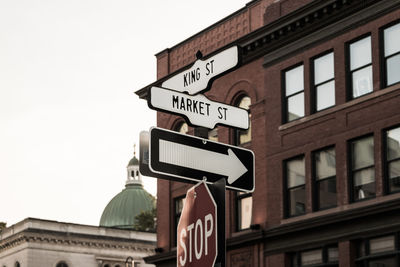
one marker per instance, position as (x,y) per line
(198,110)
(144,168)
(191,158)
(196,78)
(197,229)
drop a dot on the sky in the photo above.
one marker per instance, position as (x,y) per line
(69,117)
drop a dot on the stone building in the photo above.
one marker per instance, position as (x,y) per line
(321,80)
(44,243)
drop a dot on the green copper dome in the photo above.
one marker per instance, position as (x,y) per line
(123,208)
(133,161)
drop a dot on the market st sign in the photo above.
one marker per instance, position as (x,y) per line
(198,110)
(196,78)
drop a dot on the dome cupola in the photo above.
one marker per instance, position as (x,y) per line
(121,211)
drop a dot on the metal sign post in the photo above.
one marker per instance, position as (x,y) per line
(218,191)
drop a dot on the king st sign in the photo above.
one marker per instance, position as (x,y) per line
(196,78)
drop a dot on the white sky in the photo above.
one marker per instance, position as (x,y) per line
(68,113)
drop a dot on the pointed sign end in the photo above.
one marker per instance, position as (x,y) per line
(237,170)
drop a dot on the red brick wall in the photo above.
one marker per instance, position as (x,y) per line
(347,120)
(272,141)
(247,20)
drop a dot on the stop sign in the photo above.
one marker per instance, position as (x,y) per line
(197,229)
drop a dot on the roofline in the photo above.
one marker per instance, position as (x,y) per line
(210,27)
(31,224)
(142,93)
(270,38)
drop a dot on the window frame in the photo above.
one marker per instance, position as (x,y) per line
(363,260)
(176,217)
(314,86)
(285,106)
(178,125)
(237,132)
(383,61)
(351,171)
(286,188)
(316,197)
(349,71)
(236,141)
(238,197)
(382,55)
(386,162)
(296,256)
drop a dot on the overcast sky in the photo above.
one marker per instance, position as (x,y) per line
(68,113)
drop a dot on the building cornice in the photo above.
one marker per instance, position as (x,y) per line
(48,237)
(308,25)
(43,231)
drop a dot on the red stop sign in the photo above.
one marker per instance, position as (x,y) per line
(197,229)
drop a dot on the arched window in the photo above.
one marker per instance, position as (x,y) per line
(181,127)
(17,264)
(213,134)
(243,136)
(62,264)
(244,201)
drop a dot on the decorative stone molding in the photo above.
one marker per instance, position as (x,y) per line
(33,238)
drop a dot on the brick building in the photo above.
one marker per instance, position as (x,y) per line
(321,81)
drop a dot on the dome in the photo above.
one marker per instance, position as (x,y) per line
(133,162)
(123,208)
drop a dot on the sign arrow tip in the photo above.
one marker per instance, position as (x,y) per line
(237,168)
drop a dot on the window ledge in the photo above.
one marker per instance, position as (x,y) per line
(347,208)
(337,108)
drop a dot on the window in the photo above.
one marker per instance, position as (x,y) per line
(393,160)
(62,264)
(325,178)
(244,201)
(178,206)
(182,127)
(360,67)
(213,135)
(243,136)
(296,189)
(362,168)
(294,93)
(324,82)
(244,209)
(17,264)
(391,39)
(327,256)
(379,251)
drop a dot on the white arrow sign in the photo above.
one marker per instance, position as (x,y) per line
(196,78)
(203,160)
(198,109)
(187,158)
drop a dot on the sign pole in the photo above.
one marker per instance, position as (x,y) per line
(218,191)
